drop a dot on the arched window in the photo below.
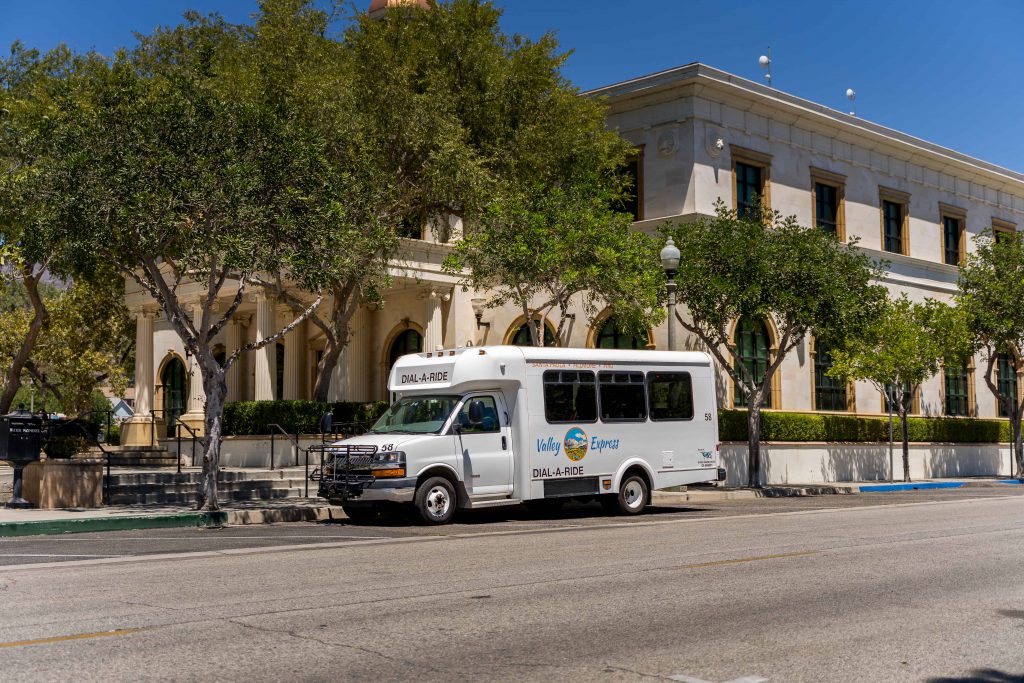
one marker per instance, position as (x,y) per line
(829,392)
(174,382)
(279,374)
(523,336)
(1006,381)
(612,336)
(409,341)
(220,354)
(751,339)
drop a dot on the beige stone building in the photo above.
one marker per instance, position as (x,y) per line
(702,134)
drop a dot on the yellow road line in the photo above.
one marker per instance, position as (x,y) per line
(720,563)
(79,636)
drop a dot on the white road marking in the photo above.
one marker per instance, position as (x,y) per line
(745,679)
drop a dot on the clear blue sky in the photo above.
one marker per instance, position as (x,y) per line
(948,72)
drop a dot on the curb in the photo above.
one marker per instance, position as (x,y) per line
(699,496)
(176,520)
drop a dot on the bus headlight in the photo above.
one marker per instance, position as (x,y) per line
(388,465)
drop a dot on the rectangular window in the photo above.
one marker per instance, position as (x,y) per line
(670,395)
(632,201)
(906,395)
(1002,229)
(952,239)
(827,190)
(895,214)
(826,201)
(1006,383)
(748,188)
(829,392)
(569,396)
(413,227)
(622,397)
(957,401)
(893,217)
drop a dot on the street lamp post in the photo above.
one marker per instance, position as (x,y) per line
(670,262)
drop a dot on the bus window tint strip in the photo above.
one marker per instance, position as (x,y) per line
(623,398)
(670,395)
(569,396)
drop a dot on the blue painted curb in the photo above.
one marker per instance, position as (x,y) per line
(1011,481)
(913,487)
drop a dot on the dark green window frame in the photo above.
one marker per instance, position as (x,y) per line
(611,336)
(1006,382)
(523,336)
(753,352)
(892,220)
(826,205)
(829,392)
(749,188)
(957,395)
(952,229)
(632,201)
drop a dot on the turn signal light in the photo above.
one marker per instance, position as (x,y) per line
(389,474)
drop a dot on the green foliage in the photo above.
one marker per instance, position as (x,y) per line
(295,417)
(65,446)
(904,344)
(806,427)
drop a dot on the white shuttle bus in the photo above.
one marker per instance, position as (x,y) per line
(498,425)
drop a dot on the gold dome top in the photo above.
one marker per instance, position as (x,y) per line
(378,7)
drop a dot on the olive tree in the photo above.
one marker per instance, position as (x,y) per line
(901,347)
(763,266)
(185,167)
(991,292)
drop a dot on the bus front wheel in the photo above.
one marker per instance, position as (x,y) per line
(435,501)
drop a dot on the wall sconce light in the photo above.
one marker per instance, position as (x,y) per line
(478,311)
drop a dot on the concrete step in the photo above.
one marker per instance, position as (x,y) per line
(172,498)
(139,488)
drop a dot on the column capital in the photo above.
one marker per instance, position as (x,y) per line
(143,312)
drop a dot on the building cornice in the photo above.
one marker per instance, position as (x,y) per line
(794,107)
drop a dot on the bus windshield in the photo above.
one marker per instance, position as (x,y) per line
(416,415)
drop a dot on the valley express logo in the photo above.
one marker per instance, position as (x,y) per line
(575,444)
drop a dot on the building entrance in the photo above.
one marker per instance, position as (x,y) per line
(175,389)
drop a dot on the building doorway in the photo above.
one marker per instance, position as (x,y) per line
(175,390)
(409,341)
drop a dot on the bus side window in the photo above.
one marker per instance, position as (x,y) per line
(569,396)
(670,395)
(622,397)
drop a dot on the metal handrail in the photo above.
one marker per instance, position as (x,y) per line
(295,440)
(178,424)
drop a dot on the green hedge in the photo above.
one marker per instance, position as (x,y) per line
(732,426)
(295,417)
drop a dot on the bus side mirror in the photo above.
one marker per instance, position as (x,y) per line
(476,412)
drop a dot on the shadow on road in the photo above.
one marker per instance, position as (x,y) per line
(517,513)
(983,676)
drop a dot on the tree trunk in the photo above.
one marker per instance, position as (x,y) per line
(1018,441)
(754,444)
(216,391)
(906,444)
(12,380)
(322,390)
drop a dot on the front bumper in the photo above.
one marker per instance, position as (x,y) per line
(376,490)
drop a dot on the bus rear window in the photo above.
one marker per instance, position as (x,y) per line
(670,395)
(569,396)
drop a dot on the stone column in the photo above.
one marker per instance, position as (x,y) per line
(234,342)
(195,412)
(294,355)
(138,430)
(266,358)
(433,338)
(356,358)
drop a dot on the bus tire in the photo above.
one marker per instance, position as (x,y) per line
(435,501)
(633,496)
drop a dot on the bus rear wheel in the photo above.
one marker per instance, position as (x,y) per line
(633,496)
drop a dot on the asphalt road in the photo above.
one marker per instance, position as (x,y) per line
(919,587)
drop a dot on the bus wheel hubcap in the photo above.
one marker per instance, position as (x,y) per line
(633,494)
(438,502)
